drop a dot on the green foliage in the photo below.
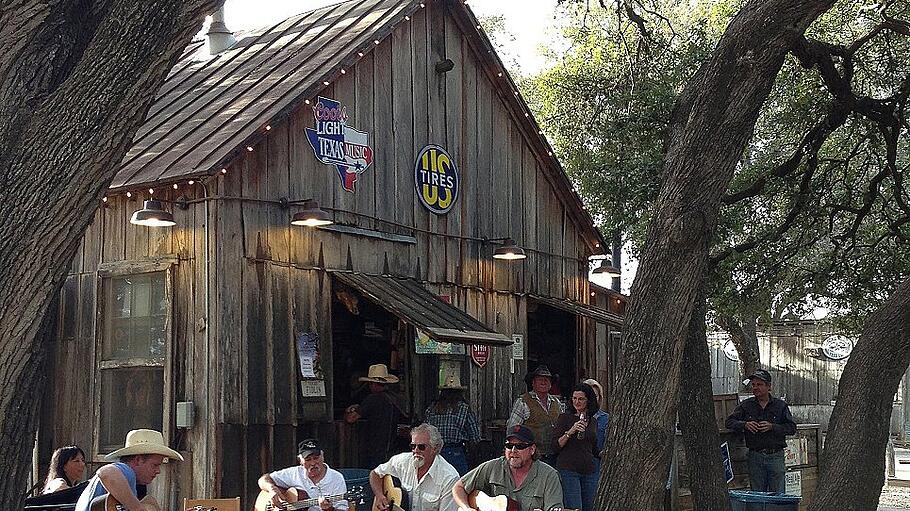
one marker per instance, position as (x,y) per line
(830,231)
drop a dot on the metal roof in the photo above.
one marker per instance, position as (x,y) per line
(580,309)
(208,109)
(410,301)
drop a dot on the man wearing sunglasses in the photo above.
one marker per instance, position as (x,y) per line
(534,485)
(426,477)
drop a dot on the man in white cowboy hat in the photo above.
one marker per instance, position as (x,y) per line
(137,462)
(538,409)
(456,422)
(381,411)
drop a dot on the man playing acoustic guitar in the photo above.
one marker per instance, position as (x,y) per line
(425,475)
(531,484)
(137,462)
(312,475)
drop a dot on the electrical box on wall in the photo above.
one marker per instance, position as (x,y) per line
(185,414)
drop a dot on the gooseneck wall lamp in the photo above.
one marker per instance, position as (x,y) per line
(606,268)
(153,213)
(508,250)
(312,215)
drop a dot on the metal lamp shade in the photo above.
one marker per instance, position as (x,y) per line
(509,251)
(152,214)
(312,216)
(606,267)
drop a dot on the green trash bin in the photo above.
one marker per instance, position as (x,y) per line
(745,500)
(359,477)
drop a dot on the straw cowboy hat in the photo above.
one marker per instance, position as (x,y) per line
(144,441)
(453,381)
(379,373)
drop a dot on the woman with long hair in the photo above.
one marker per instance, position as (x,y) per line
(66,469)
(575,444)
(601,418)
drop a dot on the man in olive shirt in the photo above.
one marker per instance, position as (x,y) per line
(516,475)
(765,421)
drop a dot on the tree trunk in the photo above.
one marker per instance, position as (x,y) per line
(745,338)
(696,418)
(712,123)
(852,467)
(76,80)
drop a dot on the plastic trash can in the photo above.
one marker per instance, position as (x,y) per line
(745,500)
(359,477)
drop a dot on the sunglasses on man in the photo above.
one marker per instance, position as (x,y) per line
(419,447)
(519,447)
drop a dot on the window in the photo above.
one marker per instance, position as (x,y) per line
(132,355)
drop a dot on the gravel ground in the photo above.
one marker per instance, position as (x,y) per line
(895,497)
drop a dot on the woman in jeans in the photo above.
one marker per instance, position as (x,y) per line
(576,449)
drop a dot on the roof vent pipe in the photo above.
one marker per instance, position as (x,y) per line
(219,37)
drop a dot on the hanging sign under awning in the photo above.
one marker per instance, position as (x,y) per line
(436,179)
(480,354)
(426,345)
(336,143)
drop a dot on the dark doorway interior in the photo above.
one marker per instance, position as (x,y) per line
(551,341)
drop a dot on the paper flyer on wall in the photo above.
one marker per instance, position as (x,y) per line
(308,354)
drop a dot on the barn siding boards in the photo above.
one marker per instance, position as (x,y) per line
(470,253)
(455,133)
(420,129)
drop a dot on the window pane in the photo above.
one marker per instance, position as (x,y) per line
(135,317)
(131,398)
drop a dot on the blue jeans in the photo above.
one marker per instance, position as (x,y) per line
(578,489)
(456,456)
(767,471)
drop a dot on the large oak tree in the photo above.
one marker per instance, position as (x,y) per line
(77,78)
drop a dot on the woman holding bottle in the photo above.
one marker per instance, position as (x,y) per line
(575,444)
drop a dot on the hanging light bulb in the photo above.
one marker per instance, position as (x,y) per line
(509,251)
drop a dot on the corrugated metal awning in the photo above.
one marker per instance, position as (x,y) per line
(580,309)
(410,301)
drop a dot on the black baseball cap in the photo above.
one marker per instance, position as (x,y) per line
(308,447)
(761,374)
(522,433)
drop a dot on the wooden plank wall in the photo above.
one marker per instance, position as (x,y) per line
(791,352)
(267,281)
(67,413)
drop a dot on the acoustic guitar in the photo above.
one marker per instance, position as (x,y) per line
(483,502)
(299,499)
(109,503)
(393,492)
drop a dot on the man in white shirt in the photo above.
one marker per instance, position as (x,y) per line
(312,476)
(426,477)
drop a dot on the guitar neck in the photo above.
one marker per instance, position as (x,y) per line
(305,503)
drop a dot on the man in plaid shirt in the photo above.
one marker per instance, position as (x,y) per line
(455,421)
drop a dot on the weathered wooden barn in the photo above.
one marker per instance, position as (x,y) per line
(238,333)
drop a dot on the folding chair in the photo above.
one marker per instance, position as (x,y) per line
(215,504)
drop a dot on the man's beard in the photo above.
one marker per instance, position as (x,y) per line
(515,462)
(418,461)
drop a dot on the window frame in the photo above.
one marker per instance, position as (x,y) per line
(106,273)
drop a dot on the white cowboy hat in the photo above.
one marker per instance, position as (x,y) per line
(379,373)
(453,381)
(144,441)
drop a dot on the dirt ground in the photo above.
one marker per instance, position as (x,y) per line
(895,497)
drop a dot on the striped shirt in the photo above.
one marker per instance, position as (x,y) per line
(455,426)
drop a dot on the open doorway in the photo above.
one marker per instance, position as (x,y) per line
(551,342)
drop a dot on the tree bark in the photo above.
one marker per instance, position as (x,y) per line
(745,338)
(852,466)
(712,123)
(696,418)
(77,78)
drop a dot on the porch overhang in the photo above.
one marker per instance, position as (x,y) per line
(580,309)
(411,302)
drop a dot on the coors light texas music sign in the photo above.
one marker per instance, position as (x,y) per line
(336,143)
